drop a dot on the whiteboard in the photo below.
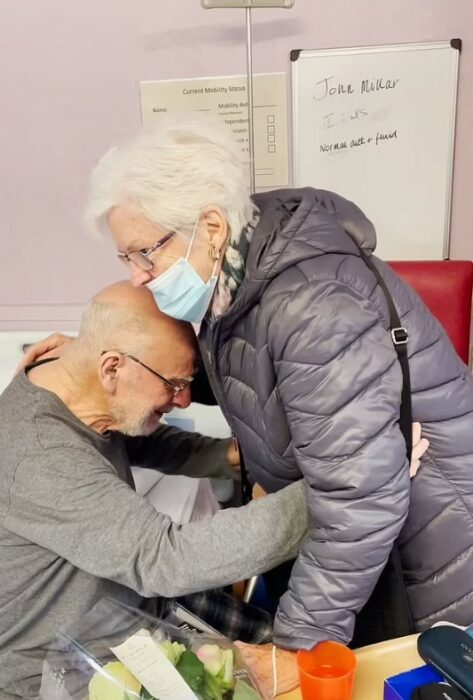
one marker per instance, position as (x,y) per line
(377,125)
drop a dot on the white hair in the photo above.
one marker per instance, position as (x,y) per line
(170,173)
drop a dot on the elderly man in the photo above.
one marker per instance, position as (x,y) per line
(72,528)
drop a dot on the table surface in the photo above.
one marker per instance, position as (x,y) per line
(375,663)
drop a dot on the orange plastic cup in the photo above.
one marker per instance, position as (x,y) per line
(327,672)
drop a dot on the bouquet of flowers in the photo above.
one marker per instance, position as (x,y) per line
(120,653)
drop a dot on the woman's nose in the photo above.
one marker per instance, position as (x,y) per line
(139,277)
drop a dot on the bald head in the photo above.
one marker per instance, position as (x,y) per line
(124,294)
(127,318)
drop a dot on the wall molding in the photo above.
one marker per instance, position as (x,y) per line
(26,317)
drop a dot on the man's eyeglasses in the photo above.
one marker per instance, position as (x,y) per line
(140,258)
(175,385)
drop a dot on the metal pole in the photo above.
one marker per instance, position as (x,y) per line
(249,69)
(250,589)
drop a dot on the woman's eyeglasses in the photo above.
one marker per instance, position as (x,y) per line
(140,258)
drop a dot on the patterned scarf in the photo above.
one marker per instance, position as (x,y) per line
(232,273)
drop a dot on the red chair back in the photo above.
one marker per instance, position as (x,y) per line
(446,287)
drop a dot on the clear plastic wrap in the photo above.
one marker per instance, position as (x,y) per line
(157,660)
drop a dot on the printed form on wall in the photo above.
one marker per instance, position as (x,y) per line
(226,98)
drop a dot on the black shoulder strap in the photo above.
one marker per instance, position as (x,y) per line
(246,487)
(387,613)
(400,339)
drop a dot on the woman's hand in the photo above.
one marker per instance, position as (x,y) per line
(258,492)
(52,346)
(259,659)
(419,447)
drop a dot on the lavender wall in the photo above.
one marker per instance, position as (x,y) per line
(70,73)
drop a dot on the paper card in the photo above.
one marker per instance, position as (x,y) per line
(226,98)
(148,663)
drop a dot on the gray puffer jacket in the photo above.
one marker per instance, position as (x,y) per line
(310,382)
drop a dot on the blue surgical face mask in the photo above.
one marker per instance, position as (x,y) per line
(180,292)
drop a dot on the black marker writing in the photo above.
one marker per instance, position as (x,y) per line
(377,85)
(326,87)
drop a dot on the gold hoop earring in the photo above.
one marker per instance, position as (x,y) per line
(214,253)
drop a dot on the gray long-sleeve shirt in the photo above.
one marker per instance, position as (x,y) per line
(72,528)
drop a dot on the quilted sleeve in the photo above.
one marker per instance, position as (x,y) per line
(340,381)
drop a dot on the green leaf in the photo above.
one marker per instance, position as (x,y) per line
(144,695)
(212,689)
(244,692)
(192,670)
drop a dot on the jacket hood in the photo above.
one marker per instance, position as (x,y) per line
(304,223)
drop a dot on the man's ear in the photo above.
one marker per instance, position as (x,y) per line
(217,227)
(109,370)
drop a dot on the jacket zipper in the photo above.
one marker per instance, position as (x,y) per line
(246,485)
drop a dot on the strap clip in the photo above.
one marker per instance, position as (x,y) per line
(399,336)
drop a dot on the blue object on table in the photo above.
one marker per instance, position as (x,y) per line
(401,687)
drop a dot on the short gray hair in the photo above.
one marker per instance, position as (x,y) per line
(108,325)
(170,173)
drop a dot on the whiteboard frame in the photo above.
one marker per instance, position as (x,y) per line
(386,48)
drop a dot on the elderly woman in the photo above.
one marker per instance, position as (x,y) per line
(294,333)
